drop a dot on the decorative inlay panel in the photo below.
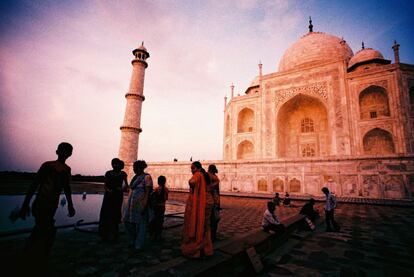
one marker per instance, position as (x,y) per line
(316,89)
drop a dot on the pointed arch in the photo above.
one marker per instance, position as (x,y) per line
(245,121)
(294,185)
(378,141)
(245,150)
(278,185)
(302,128)
(262,185)
(373,103)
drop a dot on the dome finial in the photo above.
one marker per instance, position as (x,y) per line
(310,25)
(363,45)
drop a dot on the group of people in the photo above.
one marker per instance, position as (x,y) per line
(271,222)
(142,213)
(145,207)
(201,215)
(285,201)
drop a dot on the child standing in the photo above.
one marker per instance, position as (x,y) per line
(158,198)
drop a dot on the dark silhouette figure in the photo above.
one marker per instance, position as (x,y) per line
(110,215)
(50,180)
(286,201)
(270,221)
(158,199)
(215,191)
(330,211)
(309,211)
(277,199)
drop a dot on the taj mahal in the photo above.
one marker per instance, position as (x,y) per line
(326,117)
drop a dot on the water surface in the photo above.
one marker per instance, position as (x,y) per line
(87,209)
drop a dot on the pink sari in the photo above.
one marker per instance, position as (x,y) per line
(196,232)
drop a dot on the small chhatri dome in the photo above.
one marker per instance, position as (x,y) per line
(366,55)
(142,47)
(254,84)
(315,48)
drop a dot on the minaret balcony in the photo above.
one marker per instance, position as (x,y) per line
(135,96)
(140,61)
(131,129)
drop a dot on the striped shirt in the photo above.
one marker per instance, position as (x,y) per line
(330,202)
(269,219)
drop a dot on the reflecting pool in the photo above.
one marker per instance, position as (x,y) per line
(87,208)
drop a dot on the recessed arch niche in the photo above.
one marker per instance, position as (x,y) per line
(245,150)
(302,128)
(373,103)
(378,141)
(245,121)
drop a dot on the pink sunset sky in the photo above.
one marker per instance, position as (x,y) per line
(65,68)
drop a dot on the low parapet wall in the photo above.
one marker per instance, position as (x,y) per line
(386,177)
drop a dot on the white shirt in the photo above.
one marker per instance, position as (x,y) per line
(330,202)
(269,219)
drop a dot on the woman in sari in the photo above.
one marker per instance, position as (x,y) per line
(197,233)
(110,216)
(214,189)
(136,211)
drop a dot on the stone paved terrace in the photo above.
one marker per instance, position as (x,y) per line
(375,240)
(80,252)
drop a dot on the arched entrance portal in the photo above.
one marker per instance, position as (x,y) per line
(302,128)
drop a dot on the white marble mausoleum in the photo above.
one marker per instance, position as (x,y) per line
(326,117)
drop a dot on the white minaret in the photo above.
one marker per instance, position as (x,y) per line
(131,128)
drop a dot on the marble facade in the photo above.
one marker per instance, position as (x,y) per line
(326,117)
(370,177)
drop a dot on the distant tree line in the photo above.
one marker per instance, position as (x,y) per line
(88,178)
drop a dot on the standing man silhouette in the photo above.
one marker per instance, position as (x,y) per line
(51,179)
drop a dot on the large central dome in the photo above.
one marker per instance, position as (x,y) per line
(315,48)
